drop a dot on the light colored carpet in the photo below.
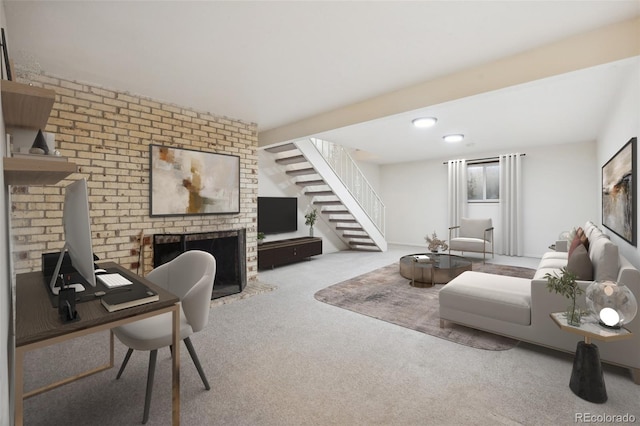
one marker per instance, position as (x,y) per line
(386,295)
(283,358)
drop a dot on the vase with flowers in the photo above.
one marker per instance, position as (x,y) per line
(310,220)
(566,285)
(435,244)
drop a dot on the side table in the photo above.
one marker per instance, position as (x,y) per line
(587,378)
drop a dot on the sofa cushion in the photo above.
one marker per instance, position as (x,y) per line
(580,264)
(494,296)
(605,260)
(562,255)
(551,262)
(469,244)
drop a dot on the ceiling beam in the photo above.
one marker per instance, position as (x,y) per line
(603,45)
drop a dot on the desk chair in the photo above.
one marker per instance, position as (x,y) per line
(190,277)
(474,235)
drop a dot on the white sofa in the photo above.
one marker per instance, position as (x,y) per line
(520,308)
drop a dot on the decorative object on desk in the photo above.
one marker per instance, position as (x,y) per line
(310,220)
(67,305)
(619,200)
(435,244)
(40,143)
(613,305)
(187,182)
(261,237)
(566,285)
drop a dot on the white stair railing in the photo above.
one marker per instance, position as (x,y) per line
(353,179)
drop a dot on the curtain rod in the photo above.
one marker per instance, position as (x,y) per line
(483,160)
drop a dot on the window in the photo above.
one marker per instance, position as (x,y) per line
(483,182)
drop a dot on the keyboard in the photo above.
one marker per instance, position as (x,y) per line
(113,280)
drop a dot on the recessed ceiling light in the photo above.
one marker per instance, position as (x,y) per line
(424,122)
(453,138)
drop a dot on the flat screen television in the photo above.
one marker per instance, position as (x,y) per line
(277,214)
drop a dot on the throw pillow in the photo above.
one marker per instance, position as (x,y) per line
(575,242)
(605,259)
(580,264)
(584,240)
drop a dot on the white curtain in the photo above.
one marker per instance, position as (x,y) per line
(457,202)
(510,205)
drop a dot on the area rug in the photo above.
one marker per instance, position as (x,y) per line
(384,294)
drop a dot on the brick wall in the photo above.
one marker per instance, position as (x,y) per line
(107,133)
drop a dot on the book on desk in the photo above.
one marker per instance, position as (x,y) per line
(128,297)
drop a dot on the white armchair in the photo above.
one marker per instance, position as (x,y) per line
(475,235)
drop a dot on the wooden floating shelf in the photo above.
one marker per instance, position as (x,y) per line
(35,171)
(26,106)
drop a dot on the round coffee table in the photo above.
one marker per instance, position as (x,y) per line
(439,268)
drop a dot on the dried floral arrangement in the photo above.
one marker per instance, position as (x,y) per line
(435,244)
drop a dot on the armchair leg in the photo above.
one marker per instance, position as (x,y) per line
(196,361)
(153,355)
(124,363)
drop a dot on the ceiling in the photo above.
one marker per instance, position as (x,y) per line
(275,63)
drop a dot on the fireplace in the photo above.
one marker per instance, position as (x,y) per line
(228,247)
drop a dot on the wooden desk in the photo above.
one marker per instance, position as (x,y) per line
(37,325)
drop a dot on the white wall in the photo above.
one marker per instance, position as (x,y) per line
(558,183)
(273,182)
(622,124)
(6,323)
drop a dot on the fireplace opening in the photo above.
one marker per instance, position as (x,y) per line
(228,247)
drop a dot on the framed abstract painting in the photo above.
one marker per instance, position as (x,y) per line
(189,182)
(619,200)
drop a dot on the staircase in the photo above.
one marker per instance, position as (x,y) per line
(325,172)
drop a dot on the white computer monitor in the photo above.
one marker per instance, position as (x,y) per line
(77,235)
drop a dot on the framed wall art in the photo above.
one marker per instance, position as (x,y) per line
(189,182)
(619,200)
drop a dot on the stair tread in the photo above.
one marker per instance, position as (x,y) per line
(328,202)
(366,248)
(291,160)
(281,148)
(310,182)
(302,171)
(318,192)
(362,243)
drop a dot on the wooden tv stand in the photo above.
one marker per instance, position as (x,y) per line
(276,253)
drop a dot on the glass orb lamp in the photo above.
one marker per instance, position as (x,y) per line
(614,305)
